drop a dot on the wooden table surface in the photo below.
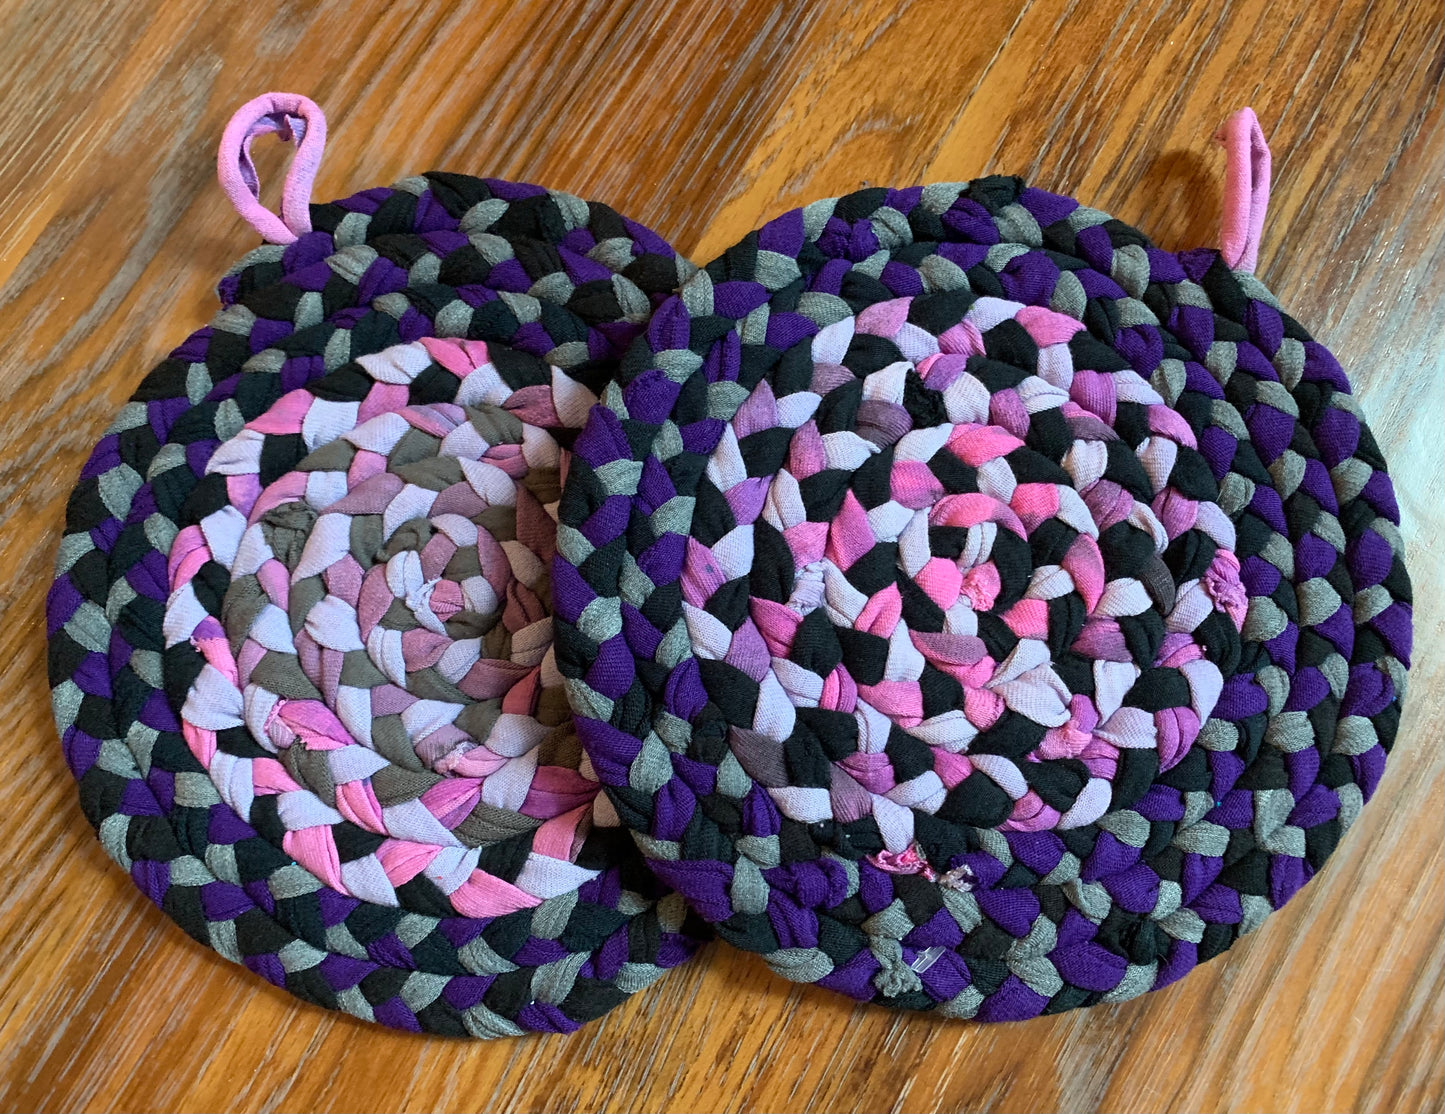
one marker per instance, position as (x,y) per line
(702,120)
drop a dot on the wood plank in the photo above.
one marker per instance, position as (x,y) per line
(703,120)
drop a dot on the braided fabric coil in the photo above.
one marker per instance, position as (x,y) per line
(319,510)
(972,607)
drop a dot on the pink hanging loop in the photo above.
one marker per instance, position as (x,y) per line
(296,119)
(1246,189)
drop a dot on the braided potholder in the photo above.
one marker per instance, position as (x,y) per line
(316,512)
(972,607)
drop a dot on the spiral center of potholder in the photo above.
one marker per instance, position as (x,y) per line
(972,569)
(434,566)
(386,629)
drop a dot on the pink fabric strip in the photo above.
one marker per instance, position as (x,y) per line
(1246,189)
(296,119)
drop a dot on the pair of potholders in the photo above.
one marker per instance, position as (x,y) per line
(945,593)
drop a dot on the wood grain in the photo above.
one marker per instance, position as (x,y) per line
(702,120)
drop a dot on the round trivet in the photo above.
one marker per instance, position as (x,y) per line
(334,503)
(973,607)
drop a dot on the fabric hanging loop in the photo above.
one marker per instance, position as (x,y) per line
(1246,189)
(296,119)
